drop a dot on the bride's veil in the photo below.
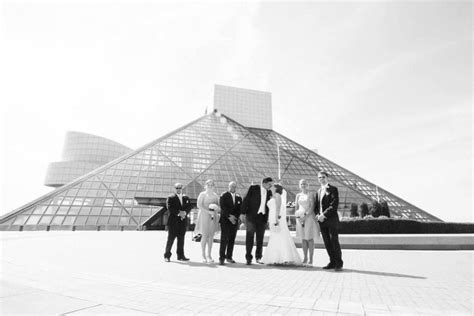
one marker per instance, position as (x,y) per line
(283,208)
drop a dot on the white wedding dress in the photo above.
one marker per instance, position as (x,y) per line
(281,248)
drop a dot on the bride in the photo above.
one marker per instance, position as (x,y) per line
(281,248)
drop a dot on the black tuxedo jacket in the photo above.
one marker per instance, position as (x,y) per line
(251,203)
(329,203)
(174,207)
(228,207)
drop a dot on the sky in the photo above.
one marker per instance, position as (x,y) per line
(383,89)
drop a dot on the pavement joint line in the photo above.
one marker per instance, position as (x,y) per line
(81,309)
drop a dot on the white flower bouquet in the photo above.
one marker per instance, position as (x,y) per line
(300,214)
(213,207)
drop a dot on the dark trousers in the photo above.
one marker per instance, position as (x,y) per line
(174,232)
(228,233)
(331,242)
(255,227)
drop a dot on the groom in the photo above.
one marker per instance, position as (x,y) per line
(255,216)
(327,201)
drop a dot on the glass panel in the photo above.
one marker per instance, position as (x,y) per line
(124,220)
(57,220)
(74,210)
(114,220)
(45,220)
(33,220)
(69,220)
(40,209)
(62,210)
(80,220)
(85,210)
(103,220)
(95,210)
(92,220)
(20,219)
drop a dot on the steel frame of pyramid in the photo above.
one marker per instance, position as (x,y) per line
(211,147)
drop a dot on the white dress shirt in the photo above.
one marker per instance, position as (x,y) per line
(263,194)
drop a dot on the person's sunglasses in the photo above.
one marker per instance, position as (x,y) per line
(178,188)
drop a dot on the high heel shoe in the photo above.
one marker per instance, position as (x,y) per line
(210,260)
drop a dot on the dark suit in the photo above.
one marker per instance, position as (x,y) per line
(176,225)
(329,228)
(256,223)
(228,230)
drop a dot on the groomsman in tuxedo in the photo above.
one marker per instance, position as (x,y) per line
(255,217)
(178,206)
(327,201)
(230,203)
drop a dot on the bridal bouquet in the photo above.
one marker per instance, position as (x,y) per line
(213,207)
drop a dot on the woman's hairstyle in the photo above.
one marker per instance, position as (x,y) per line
(303,180)
(278,188)
(208,183)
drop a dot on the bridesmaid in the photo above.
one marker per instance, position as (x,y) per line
(208,221)
(307,229)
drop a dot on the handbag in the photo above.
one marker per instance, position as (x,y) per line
(197,238)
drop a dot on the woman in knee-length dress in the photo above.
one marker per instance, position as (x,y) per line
(307,228)
(208,221)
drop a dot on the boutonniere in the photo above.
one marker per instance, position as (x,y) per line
(238,202)
(327,193)
(236,194)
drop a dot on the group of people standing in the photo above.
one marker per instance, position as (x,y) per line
(316,214)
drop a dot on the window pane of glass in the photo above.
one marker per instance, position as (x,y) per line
(33,220)
(45,220)
(92,220)
(69,220)
(102,220)
(80,220)
(57,220)
(20,220)
(124,220)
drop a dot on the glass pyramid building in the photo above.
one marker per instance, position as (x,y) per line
(211,147)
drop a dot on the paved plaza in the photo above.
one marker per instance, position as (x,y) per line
(123,273)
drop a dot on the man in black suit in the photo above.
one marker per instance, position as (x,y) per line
(230,203)
(178,206)
(255,217)
(327,201)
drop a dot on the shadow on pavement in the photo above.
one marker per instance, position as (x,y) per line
(256,266)
(398,275)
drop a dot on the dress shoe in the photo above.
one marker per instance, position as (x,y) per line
(167,259)
(329,266)
(221,262)
(183,259)
(259,261)
(338,267)
(230,260)
(249,262)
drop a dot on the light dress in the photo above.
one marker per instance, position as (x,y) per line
(205,224)
(310,229)
(281,248)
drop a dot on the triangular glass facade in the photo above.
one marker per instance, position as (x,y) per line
(212,147)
